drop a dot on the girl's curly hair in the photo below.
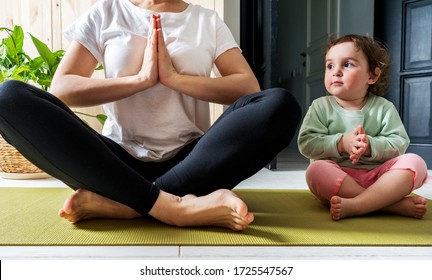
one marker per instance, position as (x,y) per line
(376,54)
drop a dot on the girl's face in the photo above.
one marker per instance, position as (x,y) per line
(347,75)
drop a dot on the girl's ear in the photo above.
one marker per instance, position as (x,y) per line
(374,76)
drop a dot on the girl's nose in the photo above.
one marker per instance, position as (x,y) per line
(337,71)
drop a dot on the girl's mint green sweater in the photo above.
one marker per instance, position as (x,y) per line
(326,121)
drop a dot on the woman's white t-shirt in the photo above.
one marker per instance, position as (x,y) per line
(153,124)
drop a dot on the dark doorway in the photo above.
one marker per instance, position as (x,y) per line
(405,26)
(258,38)
(258,41)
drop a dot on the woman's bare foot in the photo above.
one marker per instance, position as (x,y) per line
(84,205)
(220,208)
(410,206)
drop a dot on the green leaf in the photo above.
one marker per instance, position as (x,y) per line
(18,36)
(37,63)
(101,118)
(22,73)
(2,51)
(6,29)
(44,81)
(14,44)
(86,122)
(45,53)
(59,54)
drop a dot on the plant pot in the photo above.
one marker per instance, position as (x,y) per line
(13,165)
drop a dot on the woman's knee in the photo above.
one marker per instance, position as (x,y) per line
(283,114)
(284,103)
(11,86)
(10,91)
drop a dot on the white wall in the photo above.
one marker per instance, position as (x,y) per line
(232,17)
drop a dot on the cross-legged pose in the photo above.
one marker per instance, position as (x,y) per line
(356,139)
(157,154)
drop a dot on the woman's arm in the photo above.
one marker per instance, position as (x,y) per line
(73,84)
(237,77)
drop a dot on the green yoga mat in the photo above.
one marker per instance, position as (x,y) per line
(28,216)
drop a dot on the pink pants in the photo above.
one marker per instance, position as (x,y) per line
(325,177)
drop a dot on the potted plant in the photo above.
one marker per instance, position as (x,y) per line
(16,64)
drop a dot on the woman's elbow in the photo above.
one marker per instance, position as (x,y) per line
(252,85)
(255,87)
(55,89)
(58,91)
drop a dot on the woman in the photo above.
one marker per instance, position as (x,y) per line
(157,154)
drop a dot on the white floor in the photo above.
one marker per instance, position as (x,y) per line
(265,179)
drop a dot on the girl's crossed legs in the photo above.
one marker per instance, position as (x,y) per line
(355,192)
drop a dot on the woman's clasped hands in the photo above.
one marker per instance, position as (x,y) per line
(157,65)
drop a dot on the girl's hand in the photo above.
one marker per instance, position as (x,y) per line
(354,143)
(346,143)
(149,70)
(360,145)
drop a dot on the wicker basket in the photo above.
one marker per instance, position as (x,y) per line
(13,165)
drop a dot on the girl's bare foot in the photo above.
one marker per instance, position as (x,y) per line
(411,206)
(84,205)
(339,208)
(220,208)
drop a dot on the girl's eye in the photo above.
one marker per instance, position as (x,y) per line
(330,66)
(349,65)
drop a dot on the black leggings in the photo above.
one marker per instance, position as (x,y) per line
(247,136)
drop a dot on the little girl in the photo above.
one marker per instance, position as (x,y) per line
(356,140)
